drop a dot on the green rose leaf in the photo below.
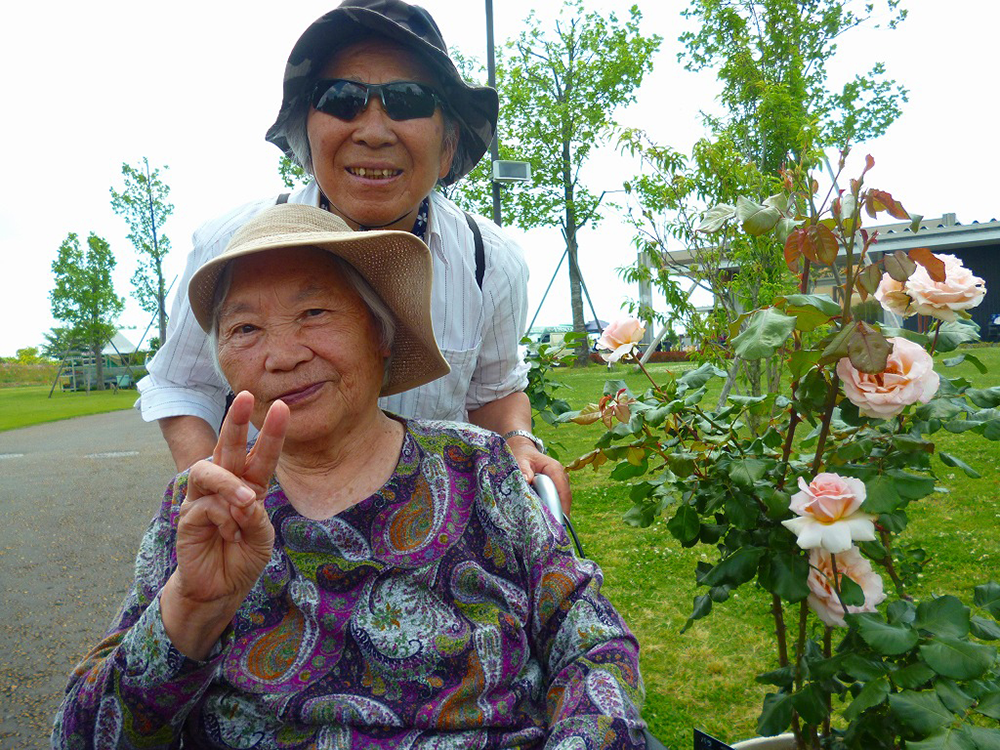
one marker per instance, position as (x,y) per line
(987,596)
(952,696)
(627,470)
(983,629)
(738,568)
(851,593)
(810,310)
(716,217)
(881,495)
(754,218)
(685,525)
(765,332)
(742,511)
(957,659)
(702,607)
(949,460)
(810,704)
(746,472)
(787,575)
(947,739)
(801,361)
(913,676)
(871,695)
(870,278)
(887,639)
(782,678)
(868,349)
(861,668)
(985,398)
(922,713)
(945,616)
(984,739)
(836,347)
(954,361)
(777,714)
(956,332)
(697,378)
(899,266)
(912,486)
(989,705)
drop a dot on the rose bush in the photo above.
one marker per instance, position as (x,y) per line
(908,378)
(854,433)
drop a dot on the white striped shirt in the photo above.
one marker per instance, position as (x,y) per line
(477,331)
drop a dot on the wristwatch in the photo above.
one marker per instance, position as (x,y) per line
(525,434)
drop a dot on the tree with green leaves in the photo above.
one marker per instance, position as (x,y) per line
(292,175)
(143,204)
(779,109)
(84,295)
(559,90)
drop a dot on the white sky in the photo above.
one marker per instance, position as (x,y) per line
(86,86)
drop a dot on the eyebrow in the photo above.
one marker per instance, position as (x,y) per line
(307,292)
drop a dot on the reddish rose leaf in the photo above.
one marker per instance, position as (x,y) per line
(826,243)
(899,266)
(868,349)
(869,278)
(880,200)
(793,247)
(869,163)
(933,264)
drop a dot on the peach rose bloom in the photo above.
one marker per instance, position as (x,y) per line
(960,290)
(828,514)
(908,378)
(823,598)
(620,338)
(893,297)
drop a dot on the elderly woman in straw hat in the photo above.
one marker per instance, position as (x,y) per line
(355,579)
(375,110)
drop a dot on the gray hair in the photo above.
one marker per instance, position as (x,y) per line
(382,316)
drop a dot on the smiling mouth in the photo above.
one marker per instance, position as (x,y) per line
(374,174)
(301,394)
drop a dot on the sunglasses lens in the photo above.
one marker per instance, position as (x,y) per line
(342,99)
(406,101)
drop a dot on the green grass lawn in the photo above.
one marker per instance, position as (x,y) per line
(704,678)
(22,406)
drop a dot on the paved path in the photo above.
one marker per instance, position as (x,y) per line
(75,498)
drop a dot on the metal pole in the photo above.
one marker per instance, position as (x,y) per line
(492,78)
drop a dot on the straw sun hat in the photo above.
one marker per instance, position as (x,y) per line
(396,264)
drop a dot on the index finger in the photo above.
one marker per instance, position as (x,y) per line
(263,458)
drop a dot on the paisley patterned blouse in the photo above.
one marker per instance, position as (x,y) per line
(445,611)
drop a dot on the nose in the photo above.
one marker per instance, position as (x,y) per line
(372,126)
(285,352)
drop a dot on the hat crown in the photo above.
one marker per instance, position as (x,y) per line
(413,18)
(284,221)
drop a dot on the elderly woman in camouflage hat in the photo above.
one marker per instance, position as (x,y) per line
(375,110)
(356,580)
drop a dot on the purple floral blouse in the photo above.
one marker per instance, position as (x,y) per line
(445,611)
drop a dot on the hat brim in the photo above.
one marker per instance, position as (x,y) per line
(397,266)
(475,107)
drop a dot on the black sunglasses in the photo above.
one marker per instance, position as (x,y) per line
(401,100)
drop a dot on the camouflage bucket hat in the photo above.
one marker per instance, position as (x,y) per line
(475,107)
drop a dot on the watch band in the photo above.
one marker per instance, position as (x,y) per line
(525,434)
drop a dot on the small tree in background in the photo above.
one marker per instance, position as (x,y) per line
(560,89)
(143,204)
(84,295)
(292,175)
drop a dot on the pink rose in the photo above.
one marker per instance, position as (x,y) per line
(892,294)
(908,378)
(620,338)
(823,597)
(827,513)
(960,290)
(921,295)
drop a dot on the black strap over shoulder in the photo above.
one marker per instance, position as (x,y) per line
(480,251)
(283,198)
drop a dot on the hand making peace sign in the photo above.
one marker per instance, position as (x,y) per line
(224,535)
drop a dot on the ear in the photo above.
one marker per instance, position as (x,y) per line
(449,145)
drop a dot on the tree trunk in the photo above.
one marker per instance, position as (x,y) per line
(576,299)
(160,304)
(99,364)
